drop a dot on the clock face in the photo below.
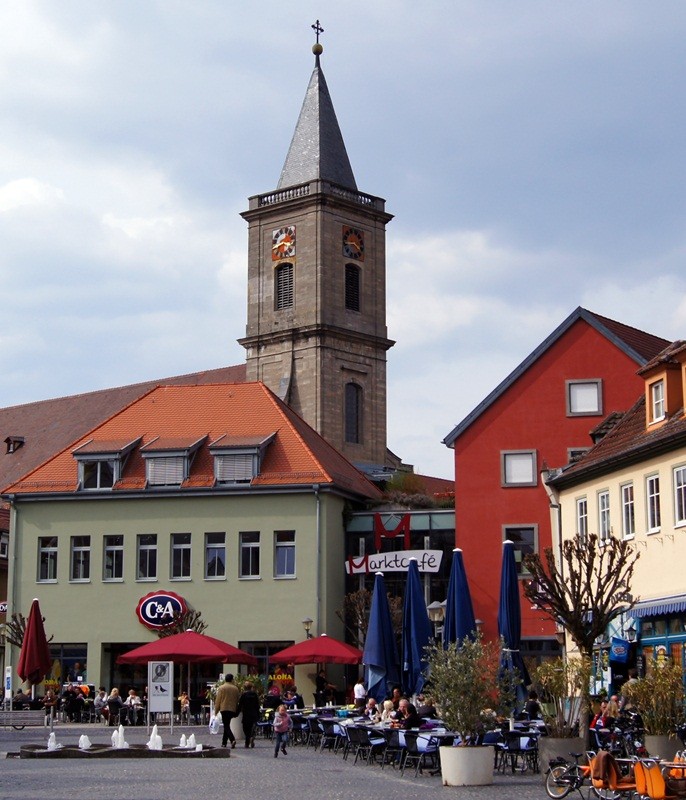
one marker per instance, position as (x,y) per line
(353,243)
(283,243)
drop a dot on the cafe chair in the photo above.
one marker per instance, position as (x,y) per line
(418,749)
(394,751)
(314,733)
(607,778)
(332,735)
(365,745)
(113,717)
(655,785)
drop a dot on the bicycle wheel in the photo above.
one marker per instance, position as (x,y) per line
(558,781)
(606,794)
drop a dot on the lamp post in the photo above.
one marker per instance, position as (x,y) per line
(307,624)
(436,612)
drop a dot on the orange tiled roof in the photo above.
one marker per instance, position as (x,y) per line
(297,455)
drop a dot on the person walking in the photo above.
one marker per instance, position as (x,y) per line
(249,706)
(281,726)
(226,704)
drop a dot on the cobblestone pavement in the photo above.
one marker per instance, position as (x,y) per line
(249,773)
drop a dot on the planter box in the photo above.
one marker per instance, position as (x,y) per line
(550,747)
(466,766)
(663,746)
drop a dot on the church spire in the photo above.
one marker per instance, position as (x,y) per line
(317,150)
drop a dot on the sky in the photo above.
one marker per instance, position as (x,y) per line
(532,154)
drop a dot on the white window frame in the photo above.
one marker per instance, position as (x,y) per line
(80,559)
(679,481)
(103,480)
(657,401)
(4,544)
(582,518)
(214,549)
(47,552)
(515,461)
(116,553)
(653,516)
(628,510)
(284,549)
(604,522)
(146,547)
(578,395)
(181,557)
(249,545)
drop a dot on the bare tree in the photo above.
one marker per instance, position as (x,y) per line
(188,621)
(355,615)
(16,628)
(588,588)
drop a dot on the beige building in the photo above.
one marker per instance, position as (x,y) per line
(632,484)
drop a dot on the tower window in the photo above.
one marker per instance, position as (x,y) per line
(353,413)
(284,286)
(352,287)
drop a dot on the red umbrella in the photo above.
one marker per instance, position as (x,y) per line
(319,650)
(188,646)
(34,659)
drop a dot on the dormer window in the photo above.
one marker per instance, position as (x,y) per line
(101,464)
(238,459)
(657,401)
(168,461)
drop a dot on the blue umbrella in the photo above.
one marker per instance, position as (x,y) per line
(380,650)
(510,622)
(417,632)
(459,614)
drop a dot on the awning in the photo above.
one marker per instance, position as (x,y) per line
(659,606)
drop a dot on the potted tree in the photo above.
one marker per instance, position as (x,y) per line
(564,685)
(659,699)
(464,680)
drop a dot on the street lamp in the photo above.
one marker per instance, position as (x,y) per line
(436,612)
(307,624)
(630,633)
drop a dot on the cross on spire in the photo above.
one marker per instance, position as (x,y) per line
(317,28)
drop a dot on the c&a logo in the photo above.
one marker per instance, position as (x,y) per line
(158,609)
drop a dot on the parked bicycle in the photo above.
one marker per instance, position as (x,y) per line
(564,777)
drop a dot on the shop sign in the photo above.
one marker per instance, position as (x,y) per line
(398,561)
(158,609)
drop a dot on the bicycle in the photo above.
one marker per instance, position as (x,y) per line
(564,777)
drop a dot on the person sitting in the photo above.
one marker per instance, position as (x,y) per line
(20,700)
(73,702)
(600,724)
(115,705)
(133,705)
(396,697)
(533,707)
(388,713)
(426,708)
(272,699)
(100,705)
(372,712)
(298,698)
(407,716)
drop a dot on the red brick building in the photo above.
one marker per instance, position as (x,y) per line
(539,417)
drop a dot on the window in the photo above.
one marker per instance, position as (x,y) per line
(283,295)
(584,398)
(653,502)
(657,401)
(180,555)
(628,518)
(352,287)
(47,558)
(215,555)
(353,413)
(518,468)
(525,543)
(680,496)
(604,530)
(576,453)
(146,557)
(4,544)
(98,474)
(165,470)
(234,468)
(582,518)
(284,554)
(249,558)
(80,558)
(114,558)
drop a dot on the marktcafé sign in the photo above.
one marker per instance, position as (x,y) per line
(427,561)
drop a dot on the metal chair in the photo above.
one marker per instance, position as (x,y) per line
(417,754)
(332,735)
(394,751)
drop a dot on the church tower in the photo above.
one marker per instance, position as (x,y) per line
(316,331)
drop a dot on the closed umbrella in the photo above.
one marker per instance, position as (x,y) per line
(318,650)
(380,649)
(510,622)
(34,658)
(459,614)
(417,633)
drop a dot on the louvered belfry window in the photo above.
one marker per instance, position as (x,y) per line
(234,467)
(352,287)
(284,286)
(165,470)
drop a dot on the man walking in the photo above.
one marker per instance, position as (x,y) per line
(226,702)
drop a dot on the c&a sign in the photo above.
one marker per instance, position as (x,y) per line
(158,609)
